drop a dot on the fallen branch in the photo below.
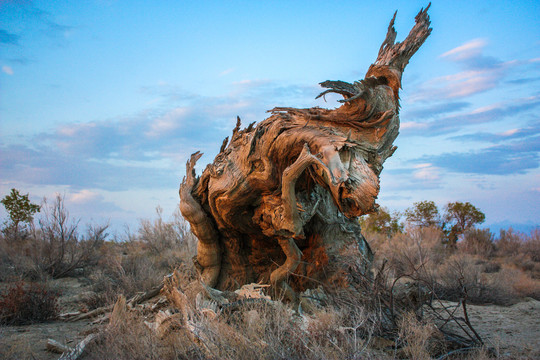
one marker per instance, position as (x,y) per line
(56,347)
(79,349)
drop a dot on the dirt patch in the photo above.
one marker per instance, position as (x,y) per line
(513,331)
(29,342)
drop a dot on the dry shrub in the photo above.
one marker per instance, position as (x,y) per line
(160,235)
(17,260)
(26,303)
(61,250)
(124,274)
(469,272)
(531,246)
(462,277)
(55,248)
(477,242)
(132,339)
(420,339)
(406,253)
(140,263)
(354,323)
(521,284)
(509,243)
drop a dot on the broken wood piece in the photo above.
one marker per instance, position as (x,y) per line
(91,314)
(118,315)
(165,323)
(69,315)
(253,291)
(143,296)
(79,349)
(56,347)
(178,299)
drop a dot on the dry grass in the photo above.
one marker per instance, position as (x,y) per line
(376,316)
(499,271)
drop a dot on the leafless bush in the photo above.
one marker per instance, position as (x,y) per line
(478,242)
(60,249)
(160,235)
(519,283)
(413,254)
(509,243)
(531,245)
(140,263)
(463,273)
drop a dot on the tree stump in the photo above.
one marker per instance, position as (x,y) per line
(280,203)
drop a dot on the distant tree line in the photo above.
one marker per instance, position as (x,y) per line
(457,218)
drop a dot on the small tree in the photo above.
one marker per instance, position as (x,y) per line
(382,222)
(461,217)
(423,214)
(20,210)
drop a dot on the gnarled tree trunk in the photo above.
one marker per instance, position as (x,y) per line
(280,202)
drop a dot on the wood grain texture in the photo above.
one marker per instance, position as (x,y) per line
(280,201)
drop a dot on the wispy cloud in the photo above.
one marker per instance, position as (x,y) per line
(84,196)
(492,113)
(8,38)
(31,19)
(144,150)
(511,158)
(168,123)
(7,69)
(431,111)
(466,51)
(511,134)
(226,72)
(426,171)
(480,73)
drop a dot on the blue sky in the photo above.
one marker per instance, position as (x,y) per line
(103,101)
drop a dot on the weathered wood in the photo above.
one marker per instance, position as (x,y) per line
(137,299)
(79,349)
(56,347)
(90,314)
(119,312)
(281,200)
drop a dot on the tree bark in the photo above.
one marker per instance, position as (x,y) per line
(280,202)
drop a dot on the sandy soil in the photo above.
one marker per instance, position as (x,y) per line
(513,331)
(29,342)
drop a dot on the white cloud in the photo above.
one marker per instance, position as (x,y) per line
(226,72)
(426,171)
(84,196)
(7,69)
(467,50)
(510,132)
(412,125)
(168,122)
(459,85)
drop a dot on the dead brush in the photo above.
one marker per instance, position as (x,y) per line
(388,308)
(26,303)
(419,339)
